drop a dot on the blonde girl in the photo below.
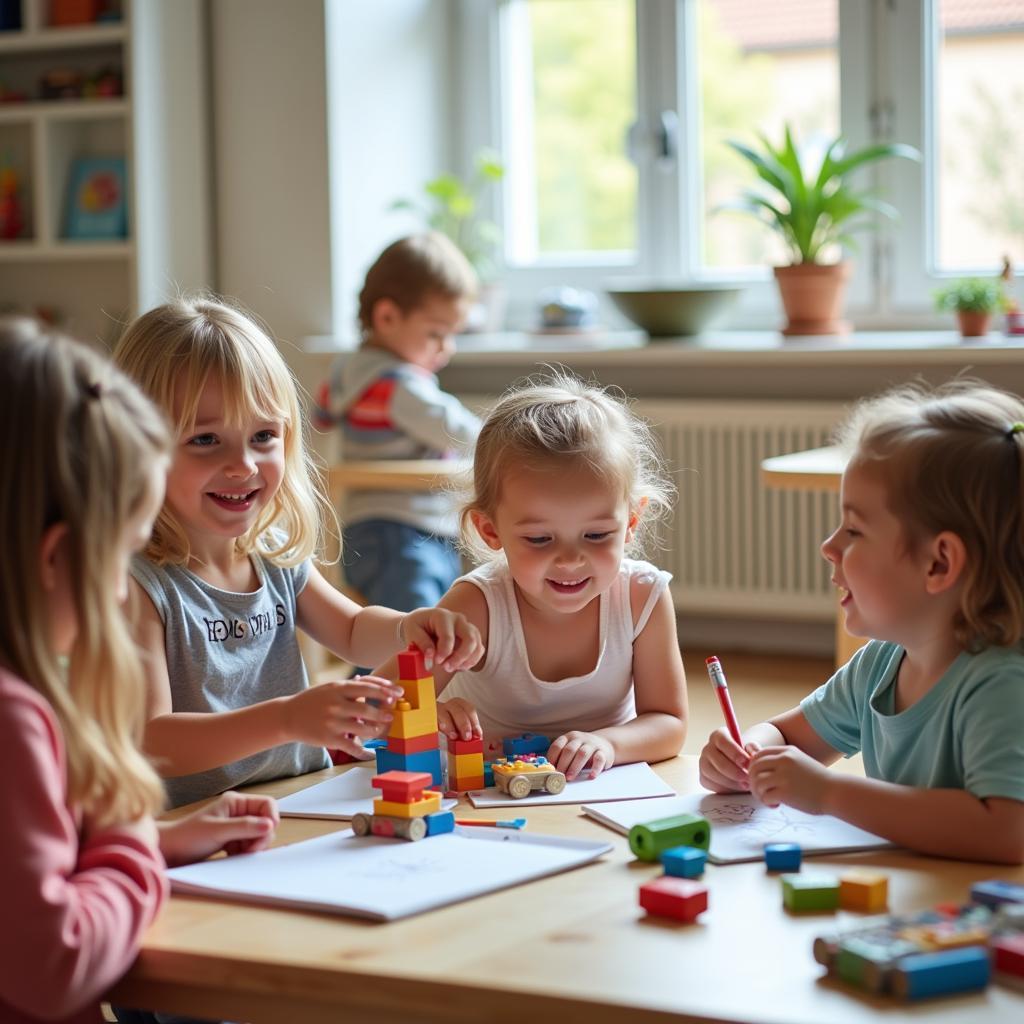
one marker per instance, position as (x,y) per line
(227,577)
(81,864)
(580,640)
(929,559)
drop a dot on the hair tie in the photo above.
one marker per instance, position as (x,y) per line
(95,390)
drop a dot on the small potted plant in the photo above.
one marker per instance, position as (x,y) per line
(974,300)
(452,206)
(814,210)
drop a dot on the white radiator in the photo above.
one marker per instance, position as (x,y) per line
(733,545)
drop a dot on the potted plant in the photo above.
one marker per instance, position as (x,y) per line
(815,211)
(452,206)
(974,300)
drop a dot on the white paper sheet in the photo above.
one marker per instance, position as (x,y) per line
(741,825)
(624,782)
(340,797)
(385,879)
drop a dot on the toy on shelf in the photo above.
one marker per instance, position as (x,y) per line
(12,221)
(522,776)
(406,809)
(674,897)
(650,840)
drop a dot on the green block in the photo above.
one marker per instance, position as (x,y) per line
(651,840)
(810,892)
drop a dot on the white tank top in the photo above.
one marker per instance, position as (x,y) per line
(511,700)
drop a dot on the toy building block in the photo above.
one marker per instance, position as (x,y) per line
(424,761)
(412,829)
(938,974)
(470,784)
(1008,954)
(528,743)
(782,856)
(488,773)
(520,777)
(802,893)
(401,787)
(648,841)
(674,897)
(684,861)
(419,694)
(465,764)
(440,822)
(466,746)
(993,893)
(408,721)
(375,744)
(428,804)
(866,891)
(412,744)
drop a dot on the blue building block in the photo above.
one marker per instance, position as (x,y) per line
(939,974)
(440,822)
(488,773)
(684,861)
(528,743)
(375,744)
(782,856)
(423,761)
(994,893)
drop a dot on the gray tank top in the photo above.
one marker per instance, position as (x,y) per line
(227,651)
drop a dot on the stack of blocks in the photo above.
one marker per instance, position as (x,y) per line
(402,800)
(866,891)
(412,739)
(681,844)
(465,764)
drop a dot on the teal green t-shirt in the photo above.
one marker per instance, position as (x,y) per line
(967,732)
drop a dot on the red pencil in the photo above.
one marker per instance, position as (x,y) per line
(722,689)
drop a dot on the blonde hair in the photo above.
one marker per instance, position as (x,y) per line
(173,350)
(558,420)
(952,459)
(411,270)
(80,440)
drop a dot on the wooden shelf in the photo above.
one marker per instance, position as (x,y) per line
(70,38)
(25,249)
(38,111)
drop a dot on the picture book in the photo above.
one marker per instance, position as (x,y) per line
(96,206)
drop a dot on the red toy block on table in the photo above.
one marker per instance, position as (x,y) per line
(466,746)
(402,787)
(674,897)
(1008,954)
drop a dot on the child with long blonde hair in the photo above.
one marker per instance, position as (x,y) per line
(227,578)
(929,559)
(580,640)
(82,862)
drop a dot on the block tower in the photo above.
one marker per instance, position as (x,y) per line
(465,764)
(406,809)
(412,739)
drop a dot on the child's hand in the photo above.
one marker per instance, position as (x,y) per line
(458,720)
(576,752)
(234,822)
(786,775)
(724,765)
(444,637)
(339,714)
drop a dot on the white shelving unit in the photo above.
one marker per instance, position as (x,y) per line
(94,285)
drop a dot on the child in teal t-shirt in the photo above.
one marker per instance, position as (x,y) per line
(929,559)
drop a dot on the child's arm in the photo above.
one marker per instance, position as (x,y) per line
(185,742)
(233,822)
(659,728)
(422,410)
(367,636)
(942,822)
(724,766)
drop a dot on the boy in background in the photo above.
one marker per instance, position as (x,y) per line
(399,546)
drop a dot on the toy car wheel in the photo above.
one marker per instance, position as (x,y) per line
(361,824)
(417,829)
(519,787)
(554,783)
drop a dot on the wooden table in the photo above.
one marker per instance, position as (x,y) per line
(574,947)
(817,469)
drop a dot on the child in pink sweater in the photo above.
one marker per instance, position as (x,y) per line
(82,861)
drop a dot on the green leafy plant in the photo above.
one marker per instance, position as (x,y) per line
(451,206)
(813,209)
(971,295)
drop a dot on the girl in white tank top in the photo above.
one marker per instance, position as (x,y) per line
(581,641)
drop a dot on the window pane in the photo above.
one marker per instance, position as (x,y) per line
(760,65)
(979,133)
(572,99)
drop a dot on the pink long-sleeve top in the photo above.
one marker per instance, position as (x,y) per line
(73,906)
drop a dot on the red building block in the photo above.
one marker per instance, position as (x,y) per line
(413,744)
(411,664)
(466,746)
(402,787)
(674,897)
(1008,954)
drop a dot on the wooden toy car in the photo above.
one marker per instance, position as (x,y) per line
(520,777)
(386,825)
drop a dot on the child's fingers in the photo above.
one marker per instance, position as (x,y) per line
(444,637)
(462,722)
(579,761)
(368,688)
(444,722)
(598,763)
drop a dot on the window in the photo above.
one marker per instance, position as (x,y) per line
(614,116)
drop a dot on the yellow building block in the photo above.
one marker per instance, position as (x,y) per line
(419,692)
(417,809)
(866,891)
(409,722)
(461,766)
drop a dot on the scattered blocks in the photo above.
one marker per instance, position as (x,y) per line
(994,893)
(440,822)
(937,974)
(1008,955)
(528,743)
(684,861)
(866,891)
(678,898)
(782,856)
(802,893)
(650,840)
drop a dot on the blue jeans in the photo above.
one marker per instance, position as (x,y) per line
(398,566)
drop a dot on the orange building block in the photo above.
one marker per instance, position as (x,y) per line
(464,785)
(866,891)
(430,803)
(411,722)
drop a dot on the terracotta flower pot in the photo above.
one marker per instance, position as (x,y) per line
(812,296)
(973,322)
